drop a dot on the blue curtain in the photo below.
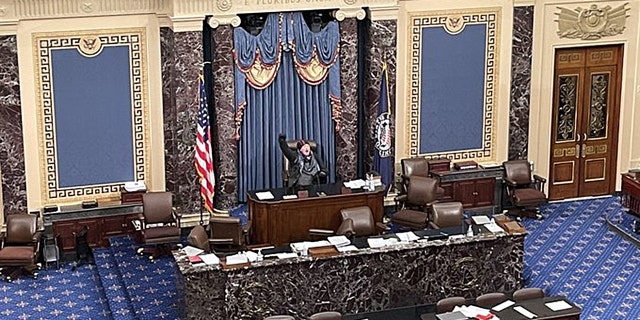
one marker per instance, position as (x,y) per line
(285,103)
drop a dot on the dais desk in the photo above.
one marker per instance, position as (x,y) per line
(366,280)
(280,221)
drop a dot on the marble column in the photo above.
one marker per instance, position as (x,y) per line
(520,82)
(346,137)
(181,65)
(381,47)
(14,186)
(225,146)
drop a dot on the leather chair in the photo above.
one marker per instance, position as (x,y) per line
(447,304)
(358,221)
(199,238)
(422,193)
(226,235)
(528,294)
(490,300)
(160,224)
(327,315)
(20,246)
(524,192)
(293,145)
(446,214)
(415,166)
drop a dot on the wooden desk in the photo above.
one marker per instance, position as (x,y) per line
(473,188)
(281,221)
(631,193)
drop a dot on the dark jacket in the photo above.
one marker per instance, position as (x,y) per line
(294,163)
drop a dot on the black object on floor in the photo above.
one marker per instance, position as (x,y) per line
(83,250)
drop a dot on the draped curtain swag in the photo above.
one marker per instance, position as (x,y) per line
(258,58)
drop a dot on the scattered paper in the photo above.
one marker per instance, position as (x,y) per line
(251,256)
(210,259)
(289,197)
(472,311)
(493,227)
(503,305)
(524,312)
(376,242)
(480,219)
(286,255)
(407,236)
(265,195)
(300,246)
(339,241)
(192,251)
(558,305)
(347,248)
(237,259)
(354,184)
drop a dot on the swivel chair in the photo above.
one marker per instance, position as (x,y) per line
(415,205)
(415,166)
(199,238)
(293,145)
(356,221)
(226,235)
(528,294)
(20,246)
(524,192)
(160,224)
(327,315)
(447,304)
(490,300)
(446,214)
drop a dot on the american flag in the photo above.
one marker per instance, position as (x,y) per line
(204,162)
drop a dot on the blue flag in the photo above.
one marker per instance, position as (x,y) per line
(382,157)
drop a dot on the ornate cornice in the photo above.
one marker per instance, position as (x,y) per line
(591,23)
(179,14)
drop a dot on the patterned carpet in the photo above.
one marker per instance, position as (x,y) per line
(571,252)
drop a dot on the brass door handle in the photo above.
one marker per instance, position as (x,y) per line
(585,136)
(577,151)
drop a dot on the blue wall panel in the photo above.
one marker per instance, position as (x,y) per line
(452,90)
(93,126)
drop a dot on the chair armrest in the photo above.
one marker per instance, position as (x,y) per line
(510,182)
(220,241)
(346,228)
(539,182)
(433,225)
(321,232)
(382,227)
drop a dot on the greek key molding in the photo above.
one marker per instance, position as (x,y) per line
(89,44)
(453,22)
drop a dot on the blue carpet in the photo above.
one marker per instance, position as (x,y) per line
(573,253)
(114,288)
(55,294)
(151,285)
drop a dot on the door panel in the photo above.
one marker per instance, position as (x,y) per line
(585,111)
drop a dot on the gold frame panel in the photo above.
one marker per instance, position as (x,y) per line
(453,22)
(89,43)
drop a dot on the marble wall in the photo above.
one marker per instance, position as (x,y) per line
(346,137)
(14,186)
(362,281)
(381,45)
(520,82)
(181,65)
(226,147)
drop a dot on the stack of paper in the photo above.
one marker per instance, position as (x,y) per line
(192,251)
(558,305)
(525,312)
(355,184)
(237,258)
(376,242)
(266,195)
(407,236)
(339,241)
(300,246)
(210,259)
(494,228)
(480,219)
(347,248)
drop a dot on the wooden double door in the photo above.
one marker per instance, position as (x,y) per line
(586,109)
